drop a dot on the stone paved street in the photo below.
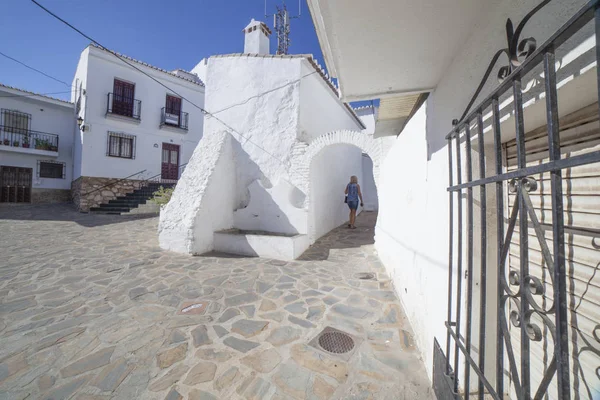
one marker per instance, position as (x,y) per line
(92,308)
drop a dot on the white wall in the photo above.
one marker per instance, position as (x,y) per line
(47,116)
(321,111)
(258,101)
(203,198)
(330,172)
(79,83)
(102,69)
(412,227)
(238,93)
(367,185)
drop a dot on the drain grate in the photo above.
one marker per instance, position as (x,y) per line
(335,342)
(369,276)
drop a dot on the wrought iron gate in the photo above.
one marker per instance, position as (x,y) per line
(454,368)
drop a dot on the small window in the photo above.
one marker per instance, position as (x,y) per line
(121,145)
(51,169)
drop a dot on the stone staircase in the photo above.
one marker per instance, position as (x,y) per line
(137,202)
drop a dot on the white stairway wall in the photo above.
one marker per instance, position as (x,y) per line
(203,200)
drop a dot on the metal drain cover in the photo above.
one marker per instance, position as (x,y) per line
(366,276)
(335,342)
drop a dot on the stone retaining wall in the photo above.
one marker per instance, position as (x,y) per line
(45,196)
(88,192)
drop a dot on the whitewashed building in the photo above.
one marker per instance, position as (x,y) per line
(36,147)
(132,127)
(525,315)
(260,166)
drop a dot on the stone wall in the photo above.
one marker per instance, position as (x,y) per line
(88,192)
(40,196)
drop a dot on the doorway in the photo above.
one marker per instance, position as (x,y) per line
(170,162)
(15,184)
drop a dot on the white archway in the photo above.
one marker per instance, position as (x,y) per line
(305,152)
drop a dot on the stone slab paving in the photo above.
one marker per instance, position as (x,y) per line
(91,308)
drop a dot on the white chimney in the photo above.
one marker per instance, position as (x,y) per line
(256,39)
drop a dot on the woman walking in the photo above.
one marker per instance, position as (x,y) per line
(353,193)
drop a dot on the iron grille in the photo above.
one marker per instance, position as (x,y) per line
(120,145)
(51,169)
(522,288)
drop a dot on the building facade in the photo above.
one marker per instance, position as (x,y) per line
(36,147)
(133,129)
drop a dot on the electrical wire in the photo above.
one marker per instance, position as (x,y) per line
(33,69)
(160,83)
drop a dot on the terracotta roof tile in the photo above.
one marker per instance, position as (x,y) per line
(199,82)
(36,94)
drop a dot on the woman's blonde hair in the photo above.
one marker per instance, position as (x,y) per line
(353,179)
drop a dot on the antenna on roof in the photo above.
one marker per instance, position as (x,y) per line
(281,25)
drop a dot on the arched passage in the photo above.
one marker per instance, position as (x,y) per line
(325,206)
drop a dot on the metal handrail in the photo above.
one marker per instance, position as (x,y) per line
(110,184)
(157,175)
(142,182)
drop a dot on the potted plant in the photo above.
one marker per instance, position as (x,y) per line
(16,143)
(6,142)
(25,142)
(52,148)
(42,144)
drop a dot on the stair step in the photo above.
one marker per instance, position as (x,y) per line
(104,207)
(127,201)
(124,204)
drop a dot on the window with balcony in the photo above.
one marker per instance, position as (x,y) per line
(122,101)
(120,145)
(51,169)
(172,114)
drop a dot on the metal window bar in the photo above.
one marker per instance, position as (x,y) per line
(492,384)
(120,145)
(49,169)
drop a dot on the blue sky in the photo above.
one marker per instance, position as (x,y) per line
(168,34)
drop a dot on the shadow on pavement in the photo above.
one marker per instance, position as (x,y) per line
(344,238)
(62,212)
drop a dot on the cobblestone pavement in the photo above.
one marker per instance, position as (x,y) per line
(91,308)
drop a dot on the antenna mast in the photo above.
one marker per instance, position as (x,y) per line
(281,25)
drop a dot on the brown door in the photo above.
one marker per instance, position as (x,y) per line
(170,161)
(15,184)
(123,93)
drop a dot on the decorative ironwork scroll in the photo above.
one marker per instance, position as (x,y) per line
(517,51)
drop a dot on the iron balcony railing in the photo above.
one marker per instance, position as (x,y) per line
(124,106)
(174,118)
(28,139)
